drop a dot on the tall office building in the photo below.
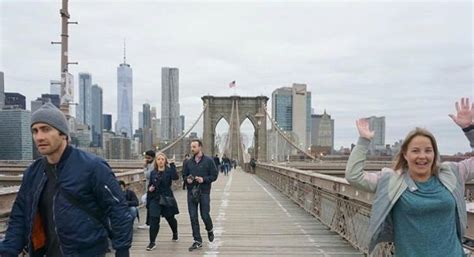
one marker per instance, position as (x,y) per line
(15,135)
(14,100)
(147,136)
(140,120)
(97,112)
(377,124)
(322,134)
(124,122)
(2,89)
(181,124)
(282,108)
(118,147)
(45,98)
(169,103)
(84,109)
(107,122)
(146,116)
(291,109)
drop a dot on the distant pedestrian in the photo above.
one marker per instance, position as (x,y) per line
(253,164)
(226,163)
(160,200)
(217,161)
(419,204)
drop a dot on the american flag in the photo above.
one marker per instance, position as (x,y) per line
(232,84)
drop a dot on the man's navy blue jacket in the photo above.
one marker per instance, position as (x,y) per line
(90,180)
(206,168)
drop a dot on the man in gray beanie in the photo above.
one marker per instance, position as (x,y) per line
(49,114)
(69,202)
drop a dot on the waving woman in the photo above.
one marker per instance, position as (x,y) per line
(419,203)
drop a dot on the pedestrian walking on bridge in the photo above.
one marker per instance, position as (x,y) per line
(69,202)
(419,203)
(160,198)
(200,171)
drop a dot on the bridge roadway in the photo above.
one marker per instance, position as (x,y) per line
(251,218)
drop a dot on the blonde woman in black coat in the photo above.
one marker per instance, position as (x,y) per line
(160,198)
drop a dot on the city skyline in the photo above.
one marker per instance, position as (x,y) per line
(406,61)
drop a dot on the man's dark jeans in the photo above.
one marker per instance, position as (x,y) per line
(205,208)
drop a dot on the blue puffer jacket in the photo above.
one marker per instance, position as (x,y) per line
(90,180)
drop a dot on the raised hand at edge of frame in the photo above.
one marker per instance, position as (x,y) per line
(465,113)
(364,130)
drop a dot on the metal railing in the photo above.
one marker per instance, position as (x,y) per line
(333,201)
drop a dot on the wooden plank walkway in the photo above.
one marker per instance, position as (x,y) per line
(251,218)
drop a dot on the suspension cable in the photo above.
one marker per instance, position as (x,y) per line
(286,138)
(186,133)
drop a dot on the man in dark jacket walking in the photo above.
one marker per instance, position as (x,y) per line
(200,171)
(69,202)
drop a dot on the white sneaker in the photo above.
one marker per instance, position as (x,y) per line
(144,226)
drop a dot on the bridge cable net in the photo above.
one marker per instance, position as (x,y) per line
(178,139)
(282,134)
(229,133)
(237,122)
(241,149)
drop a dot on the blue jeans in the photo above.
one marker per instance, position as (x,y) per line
(134,211)
(205,209)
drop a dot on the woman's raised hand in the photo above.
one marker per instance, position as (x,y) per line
(364,130)
(465,113)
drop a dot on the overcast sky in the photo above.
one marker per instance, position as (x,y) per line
(407,61)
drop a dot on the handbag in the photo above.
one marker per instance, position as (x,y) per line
(168,201)
(196,193)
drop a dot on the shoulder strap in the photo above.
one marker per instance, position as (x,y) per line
(93,214)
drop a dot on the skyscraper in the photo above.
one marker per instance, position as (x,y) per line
(15,135)
(181,124)
(124,122)
(282,108)
(14,100)
(140,120)
(377,124)
(84,109)
(2,89)
(107,122)
(96,119)
(322,134)
(45,98)
(147,131)
(146,116)
(169,103)
(291,109)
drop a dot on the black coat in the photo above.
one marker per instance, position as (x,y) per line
(162,182)
(205,168)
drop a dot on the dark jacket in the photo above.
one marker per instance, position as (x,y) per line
(130,198)
(205,168)
(217,161)
(162,182)
(90,180)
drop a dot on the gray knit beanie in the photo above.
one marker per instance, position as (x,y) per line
(51,115)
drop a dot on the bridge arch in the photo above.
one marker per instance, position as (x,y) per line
(235,109)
